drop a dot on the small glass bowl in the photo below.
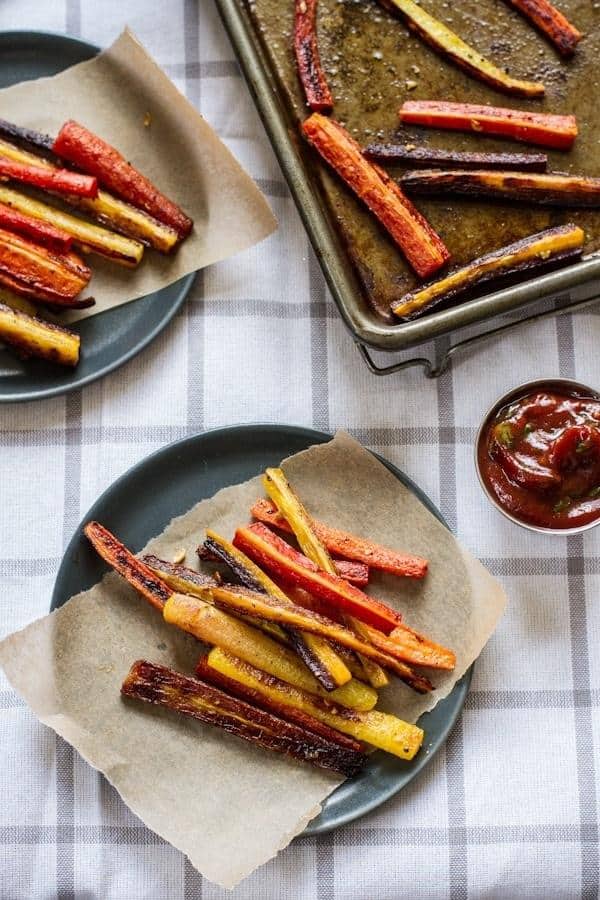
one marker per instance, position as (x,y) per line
(556,385)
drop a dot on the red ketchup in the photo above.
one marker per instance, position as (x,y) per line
(539,456)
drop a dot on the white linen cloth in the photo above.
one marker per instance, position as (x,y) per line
(509,808)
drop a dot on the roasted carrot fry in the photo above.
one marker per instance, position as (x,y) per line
(288,713)
(241,639)
(412,647)
(181,611)
(41,232)
(211,705)
(91,237)
(62,181)
(544,189)
(232,633)
(106,209)
(291,508)
(31,336)
(188,613)
(210,626)
(558,132)
(317,654)
(355,572)
(272,553)
(92,154)
(348,546)
(432,158)
(535,250)
(138,574)
(453,48)
(423,248)
(318,95)
(550,22)
(381,730)
(188,581)
(35,271)
(153,578)
(321,659)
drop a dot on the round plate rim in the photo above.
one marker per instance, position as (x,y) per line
(312,436)
(185,283)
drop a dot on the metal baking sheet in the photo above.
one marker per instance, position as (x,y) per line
(373,64)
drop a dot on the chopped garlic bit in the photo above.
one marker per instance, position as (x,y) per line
(179,556)
(411,85)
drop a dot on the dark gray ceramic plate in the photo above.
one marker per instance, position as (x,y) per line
(107,340)
(191,470)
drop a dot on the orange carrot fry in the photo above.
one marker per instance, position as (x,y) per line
(349,546)
(422,246)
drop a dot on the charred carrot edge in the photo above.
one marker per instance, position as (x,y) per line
(355,572)
(26,137)
(106,209)
(206,673)
(557,132)
(423,248)
(41,232)
(239,600)
(34,271)
(379,729)
(349,546)
(452,47)
(179,577)
(535,250)
(137,573)
(310,70)
(551,22)
(271,552)
(59,180)
(209,704)
(92,154)
(317,654)
(545,189)
(430,157)
(292,509)
(80,303)
(31,336)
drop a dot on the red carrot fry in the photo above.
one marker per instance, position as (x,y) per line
(349,546)
(547,130)
(94,155)
(59,180)
(276,556)
(40,232)
(318,95)
(423,248)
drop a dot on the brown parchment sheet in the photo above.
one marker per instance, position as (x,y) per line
(228,806)
(114,94)
(373,64)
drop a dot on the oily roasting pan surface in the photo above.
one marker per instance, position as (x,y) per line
(372,62)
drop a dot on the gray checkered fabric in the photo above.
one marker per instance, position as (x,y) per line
(509,808)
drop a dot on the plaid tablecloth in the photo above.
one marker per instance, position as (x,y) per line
(509,808)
